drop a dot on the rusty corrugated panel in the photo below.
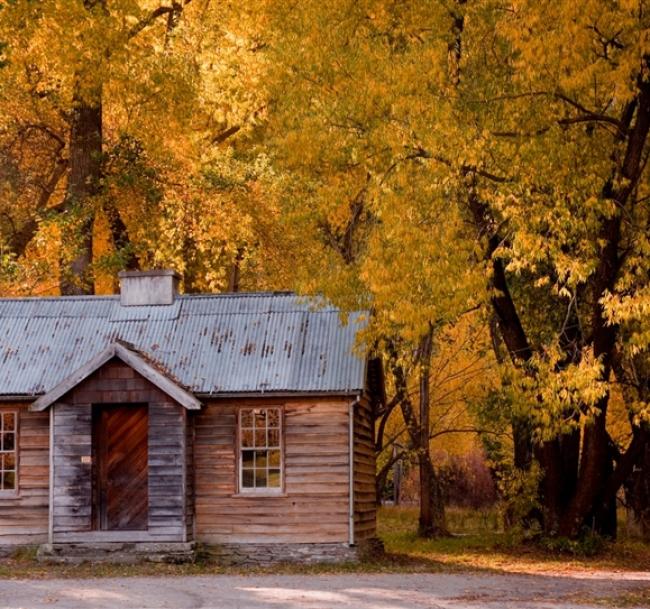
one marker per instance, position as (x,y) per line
(210,343)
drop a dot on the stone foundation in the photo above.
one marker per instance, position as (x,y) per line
(227,554)
(11,550)
(268,554)
(123,553)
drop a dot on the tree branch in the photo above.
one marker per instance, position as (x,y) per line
(222,136)
(148,19)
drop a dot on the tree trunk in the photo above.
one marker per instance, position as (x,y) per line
(432,507)
(120,235)
(84,183)
(559,461)
(20,239)
(508,321)
(637,492)
(592,491)
(432,521)
(381,480)
(397,478)
(234,276)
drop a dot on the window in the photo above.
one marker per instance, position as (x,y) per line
(260,449)
(8,423)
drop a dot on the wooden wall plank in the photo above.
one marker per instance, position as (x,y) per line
(314,505)
(24,515)
(365,509)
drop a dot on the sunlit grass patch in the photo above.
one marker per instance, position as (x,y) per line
(472,546)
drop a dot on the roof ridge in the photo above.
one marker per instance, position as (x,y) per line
(242,294)
(58,298)
(87,297)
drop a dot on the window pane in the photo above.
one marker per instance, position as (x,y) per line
(9,461)
(247,478)
(260,438)
(274,458)
(247,418)
(274,417)
(260,478)
(274,437)
(8,481)
(274,478)
(247,458)
(8,441)
(8,421)
(260,418)
(247,438)
(260,458)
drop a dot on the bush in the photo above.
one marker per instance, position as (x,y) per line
(467,481)
(588,544)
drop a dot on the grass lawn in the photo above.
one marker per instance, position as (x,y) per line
(475,546)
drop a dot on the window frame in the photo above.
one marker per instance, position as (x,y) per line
(12,492)
(266,490)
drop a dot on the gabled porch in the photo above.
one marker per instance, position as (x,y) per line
(121,460)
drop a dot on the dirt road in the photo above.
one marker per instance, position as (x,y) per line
(381,591)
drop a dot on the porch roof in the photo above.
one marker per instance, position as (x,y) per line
(129,357)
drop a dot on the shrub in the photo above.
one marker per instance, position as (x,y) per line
(588,544)
(467,480)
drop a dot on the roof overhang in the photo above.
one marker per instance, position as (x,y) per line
(130,358)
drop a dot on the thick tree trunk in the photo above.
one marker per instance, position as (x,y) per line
(432,521)
(432,506)
(559,461)
(84,183)
(432,509)
(593,489)
(508,321)
(636,386)
(637,492)
(603,516)
(560,456)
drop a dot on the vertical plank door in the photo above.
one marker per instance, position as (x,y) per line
(121,440)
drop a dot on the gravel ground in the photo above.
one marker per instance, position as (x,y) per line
(385,591)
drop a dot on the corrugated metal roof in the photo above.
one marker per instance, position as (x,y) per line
(235,343)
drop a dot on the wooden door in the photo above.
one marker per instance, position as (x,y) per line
(121,472)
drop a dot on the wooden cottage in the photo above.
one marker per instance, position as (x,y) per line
(150,421)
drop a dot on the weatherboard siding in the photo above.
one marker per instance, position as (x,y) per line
(314,504)
(365,506)
(24,514)
(193,481)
